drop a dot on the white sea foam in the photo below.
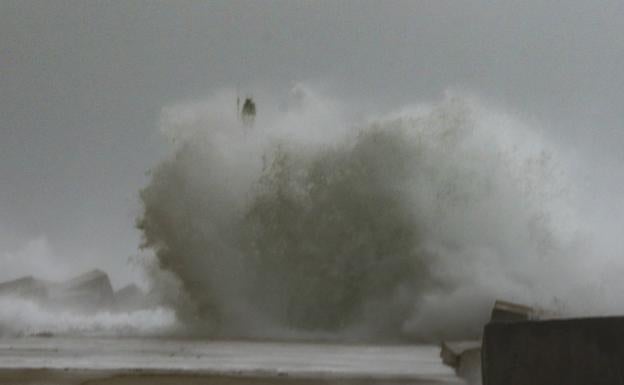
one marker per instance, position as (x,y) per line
(23,317)
(404,225)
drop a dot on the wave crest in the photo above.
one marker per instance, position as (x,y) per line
(310,225)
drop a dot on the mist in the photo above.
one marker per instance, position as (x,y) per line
(324,221)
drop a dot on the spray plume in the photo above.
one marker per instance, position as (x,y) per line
(324,223)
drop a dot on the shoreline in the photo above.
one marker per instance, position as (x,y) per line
(56,360)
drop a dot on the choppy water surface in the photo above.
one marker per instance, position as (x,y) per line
(243,362)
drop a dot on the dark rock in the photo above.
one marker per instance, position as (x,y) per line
(88,291)
(130,297)
(26,287)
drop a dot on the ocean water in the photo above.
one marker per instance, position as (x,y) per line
(156,360)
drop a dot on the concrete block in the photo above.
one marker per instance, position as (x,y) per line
(508,311)
(586,351)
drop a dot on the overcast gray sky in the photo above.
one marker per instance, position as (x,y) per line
(82,84)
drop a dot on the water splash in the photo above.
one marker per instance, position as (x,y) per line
(322,222)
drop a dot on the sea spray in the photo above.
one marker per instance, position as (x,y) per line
(406,225)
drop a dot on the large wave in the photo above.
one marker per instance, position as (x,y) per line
(321,221)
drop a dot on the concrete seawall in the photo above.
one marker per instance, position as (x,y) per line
(555,352)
